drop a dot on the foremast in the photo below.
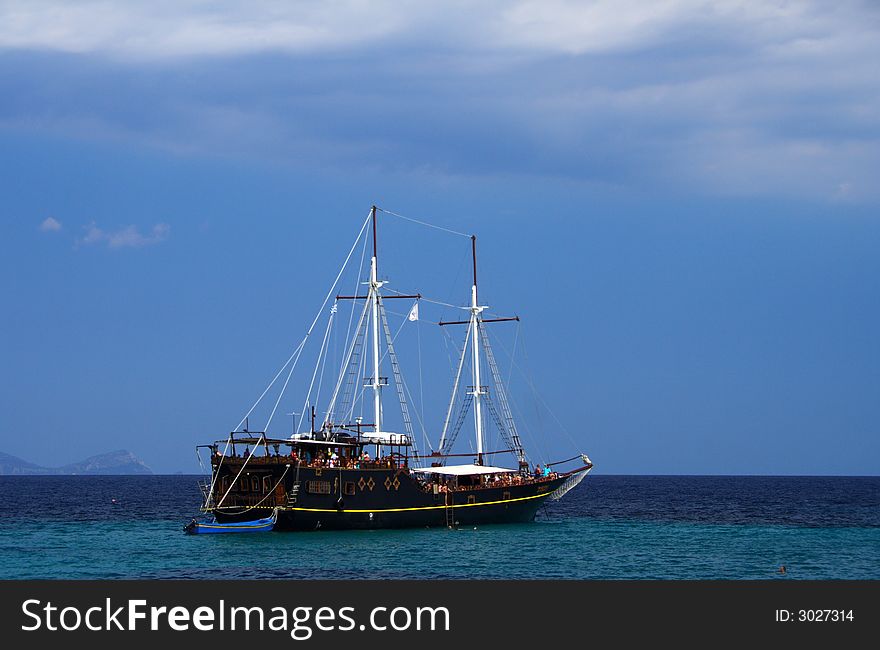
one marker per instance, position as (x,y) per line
(374,299)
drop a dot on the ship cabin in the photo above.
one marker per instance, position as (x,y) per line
(248,466)
(359,450)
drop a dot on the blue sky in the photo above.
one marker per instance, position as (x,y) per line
(678,198)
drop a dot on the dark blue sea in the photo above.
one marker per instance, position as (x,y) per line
(610,527)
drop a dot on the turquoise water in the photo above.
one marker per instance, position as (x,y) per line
(577,548)
(579,538)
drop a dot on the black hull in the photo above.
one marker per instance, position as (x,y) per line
(392,499)
(299,520)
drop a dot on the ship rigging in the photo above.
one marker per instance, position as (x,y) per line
(326,477)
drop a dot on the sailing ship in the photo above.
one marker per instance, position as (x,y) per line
(344,473)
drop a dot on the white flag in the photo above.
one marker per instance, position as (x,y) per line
(414,312)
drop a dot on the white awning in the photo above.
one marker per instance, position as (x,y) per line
(463,470)
(305,437)
(385,438)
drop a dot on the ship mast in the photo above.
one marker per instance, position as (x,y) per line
(474,338)
(374,298)
(475,325)
(373,311)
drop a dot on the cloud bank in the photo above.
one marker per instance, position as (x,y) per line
(162,29)
(720,98)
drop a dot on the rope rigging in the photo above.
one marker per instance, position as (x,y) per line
(454,397)
(398,380)
(347,394)
(424,223)
(353,363)
(508,428)
(322,357)
(294,357)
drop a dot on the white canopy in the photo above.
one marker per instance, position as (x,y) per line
(305,437)
(385,438)
(463,470)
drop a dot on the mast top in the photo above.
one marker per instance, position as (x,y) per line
(474,257)
(373,216)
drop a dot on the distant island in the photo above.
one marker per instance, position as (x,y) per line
(114,462)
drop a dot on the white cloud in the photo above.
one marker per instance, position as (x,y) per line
(50,224)
(126,237)
(727,96)
(162,29)
(579,27)
(167,29)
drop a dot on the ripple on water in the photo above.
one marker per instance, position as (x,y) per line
(609,528)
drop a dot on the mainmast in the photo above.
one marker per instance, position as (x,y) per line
(374,298)
(475,363)
(475,338)
(373,311)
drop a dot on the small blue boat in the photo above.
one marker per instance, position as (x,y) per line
(256,526)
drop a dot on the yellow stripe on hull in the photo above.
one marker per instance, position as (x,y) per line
(440,507)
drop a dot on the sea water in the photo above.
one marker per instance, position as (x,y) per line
(609,527)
